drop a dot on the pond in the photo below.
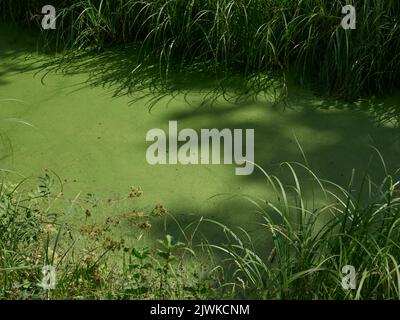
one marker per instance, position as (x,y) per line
(96,141)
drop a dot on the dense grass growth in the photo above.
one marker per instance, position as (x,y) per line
(90,258)
(308,244)
(313,241)
(254,38)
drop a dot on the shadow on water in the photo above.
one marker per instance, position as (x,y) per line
(125,72)
(17,48)
(278,110)
(334,135)
(350,147)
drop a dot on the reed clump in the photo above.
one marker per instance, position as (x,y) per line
(249,37)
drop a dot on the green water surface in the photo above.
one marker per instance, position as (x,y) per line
(96,142)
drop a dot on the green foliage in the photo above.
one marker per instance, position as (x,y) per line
(306,243)
(312,241)
(20,230)
(252,38)
(90,259)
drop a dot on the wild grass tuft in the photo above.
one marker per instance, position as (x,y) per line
(272,38)
(90,258)
(305,243)
(311,241)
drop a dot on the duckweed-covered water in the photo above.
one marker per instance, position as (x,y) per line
(96,142)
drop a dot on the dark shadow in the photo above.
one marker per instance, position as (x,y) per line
(336,136)
(353,131)
(334,142)
(126,71)
(18,50)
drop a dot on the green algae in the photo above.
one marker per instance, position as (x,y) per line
(96,141)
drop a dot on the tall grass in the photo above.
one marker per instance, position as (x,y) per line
(308,240)
(312,241)
(251,37)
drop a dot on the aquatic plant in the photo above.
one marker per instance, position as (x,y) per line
(89,259)
(314,242)
(307,246)
(275,38)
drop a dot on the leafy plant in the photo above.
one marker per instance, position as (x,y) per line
(312,241)
(259,40)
